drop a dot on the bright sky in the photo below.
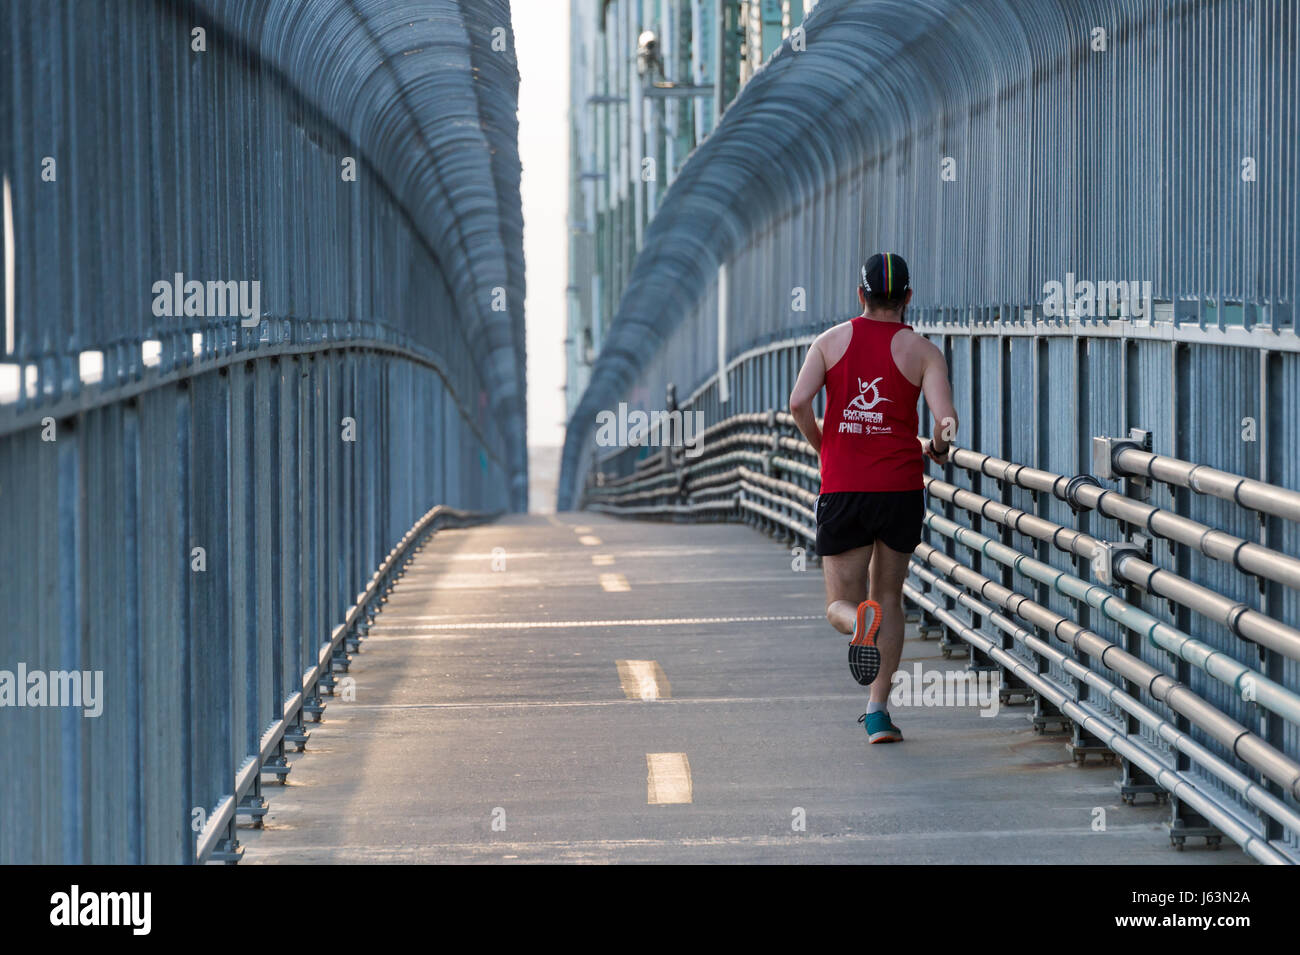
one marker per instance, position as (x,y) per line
(542,47)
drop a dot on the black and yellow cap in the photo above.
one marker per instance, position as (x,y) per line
(885,276)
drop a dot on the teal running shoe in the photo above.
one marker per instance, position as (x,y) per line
(880,728)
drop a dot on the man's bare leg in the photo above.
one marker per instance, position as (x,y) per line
(846,586)
(888,570)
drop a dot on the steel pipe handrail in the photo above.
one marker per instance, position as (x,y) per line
(659,483)
(730,487)
(1243,554)
(1258,796)
(1245,681)
(636,476)
(658,464)
(669,484)
(760,483)
(808,497)
(768,495)
(698,485)
(796,467)
(1241,741)
(789,523)
(1203,479)
(1175,782)
(1237,617)
(18,416)
(644,472)
(664,508)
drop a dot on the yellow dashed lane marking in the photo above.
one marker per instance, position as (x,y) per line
(590,540)
(614,583)
(582,529)
(668,779)
(643,680)
(602,560)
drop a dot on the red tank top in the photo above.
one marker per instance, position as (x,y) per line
(869,433)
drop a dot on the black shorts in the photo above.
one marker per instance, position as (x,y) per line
(849,519)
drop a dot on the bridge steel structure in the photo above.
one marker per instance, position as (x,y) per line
(1117,534)
(202,506)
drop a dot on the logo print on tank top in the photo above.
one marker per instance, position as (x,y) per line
(860,400)
(859,409)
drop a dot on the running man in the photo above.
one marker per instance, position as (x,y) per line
(869,514)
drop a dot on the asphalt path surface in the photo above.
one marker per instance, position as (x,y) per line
(578,688)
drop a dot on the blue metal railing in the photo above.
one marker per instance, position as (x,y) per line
(197,509)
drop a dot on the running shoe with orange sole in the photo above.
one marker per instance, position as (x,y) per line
(864,657)
(880,728)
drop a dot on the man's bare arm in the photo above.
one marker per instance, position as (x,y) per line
(812,376)
(938,396)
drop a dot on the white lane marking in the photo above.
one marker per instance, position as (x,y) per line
(614,583)
(590,540)
(643,680)
(602,560)
(668,779)
(418,587)
(569,624)
(550,704)
(486,580)
(582,529)
(403,615)
(436,553)
(436,558)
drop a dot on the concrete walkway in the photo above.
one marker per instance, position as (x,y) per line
(493,721)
